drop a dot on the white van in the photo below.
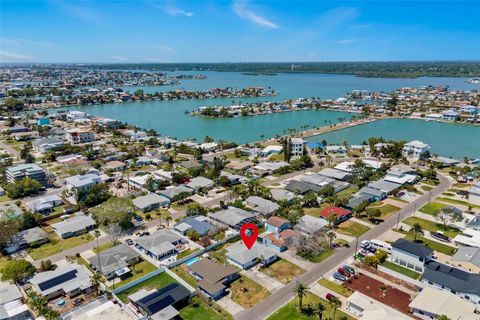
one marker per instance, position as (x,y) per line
(381,245)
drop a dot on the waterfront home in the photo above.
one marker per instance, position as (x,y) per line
(443,162)
(281,194)
(77,225)
(450,115)
(474,194)
(233,217)
(432,303)
(44,204)
(161,244)
(441,276)
(77,136)
(12,303)
(271,149)
(365,150)
(366,308)
(410,255)
(245,259)
(45,144)
(415,149)
(434,116)
(108,123)
(175,192)
(467,259)
(310,225)
(341,214)
(213,278)
(27,170)
(335,174)
(70,280)
(25,238)
(315,147)
(135,135)
(200,224)
(208,146)
(160,304)
(151,201)
(336,150)
(198,183)
(75,115)
(261,206)
(115,261)
(296,147)
(81,183)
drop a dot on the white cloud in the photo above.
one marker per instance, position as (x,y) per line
(163,47)
(170,8)
(118,58)
(338,16)
(244,13)
(14,57)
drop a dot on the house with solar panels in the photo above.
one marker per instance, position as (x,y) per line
(71,281)
(159,304)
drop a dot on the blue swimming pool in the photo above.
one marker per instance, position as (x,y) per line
(191,261)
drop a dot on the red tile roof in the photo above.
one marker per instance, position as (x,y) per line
(339,212)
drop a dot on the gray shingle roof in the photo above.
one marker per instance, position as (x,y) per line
(198,223)
(114,258)
(413,248)
(160,242)
(9,293)
(66,278)
(75,224)
(238,252)
(468,254)
(150,199)
(233,216)
(452,278)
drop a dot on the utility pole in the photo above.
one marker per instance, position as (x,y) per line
(398,219)
(356,247)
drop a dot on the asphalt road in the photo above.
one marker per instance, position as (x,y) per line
(263,309)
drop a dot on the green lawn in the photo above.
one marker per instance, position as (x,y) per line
(432,226)
(462,185)
(291,311)
(139,270)
(386,210)
(283,270)
(104,246)
(460,202)
(431,182)
(186,253)
(247,292)
(347,192)
(322,256)
(4,198)
(432,244)
(406,272)
(156,282)
(276,157)
(315,212)
(335,287)
(180,271)
(432,208)
(57,245)
(199,310)
(81,260)
(352,228)
(426,188)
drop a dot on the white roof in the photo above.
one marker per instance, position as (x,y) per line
(272,148)
(239,252)
(346,166)
(470,237)
(373,309)
(79,180)
(441,302)
(74,224)
(417,144)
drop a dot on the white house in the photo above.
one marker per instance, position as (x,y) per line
(474,194)
(81,183)
(415,149)
(77,135)
(296,147)
(410,255)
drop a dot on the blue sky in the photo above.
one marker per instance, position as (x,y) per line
(237,31)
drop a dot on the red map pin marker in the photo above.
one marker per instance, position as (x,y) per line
(249,237)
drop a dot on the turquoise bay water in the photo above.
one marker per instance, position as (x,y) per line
(169,118)
(450,140)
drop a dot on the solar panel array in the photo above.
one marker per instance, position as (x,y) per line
(163,298)
(57,280)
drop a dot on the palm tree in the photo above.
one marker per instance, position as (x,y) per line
(95,281)
(331,236)
(443,317)
(301,290)
(336,303)
(319,308)
(417,230)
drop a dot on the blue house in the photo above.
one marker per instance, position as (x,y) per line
(276,224)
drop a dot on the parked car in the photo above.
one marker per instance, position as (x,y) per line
(440,236)
(137,218)
(371,249)
(330,296)
(344,272)
(339,277)
(364,244)
(129,242)
(144,234)
(349,269)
